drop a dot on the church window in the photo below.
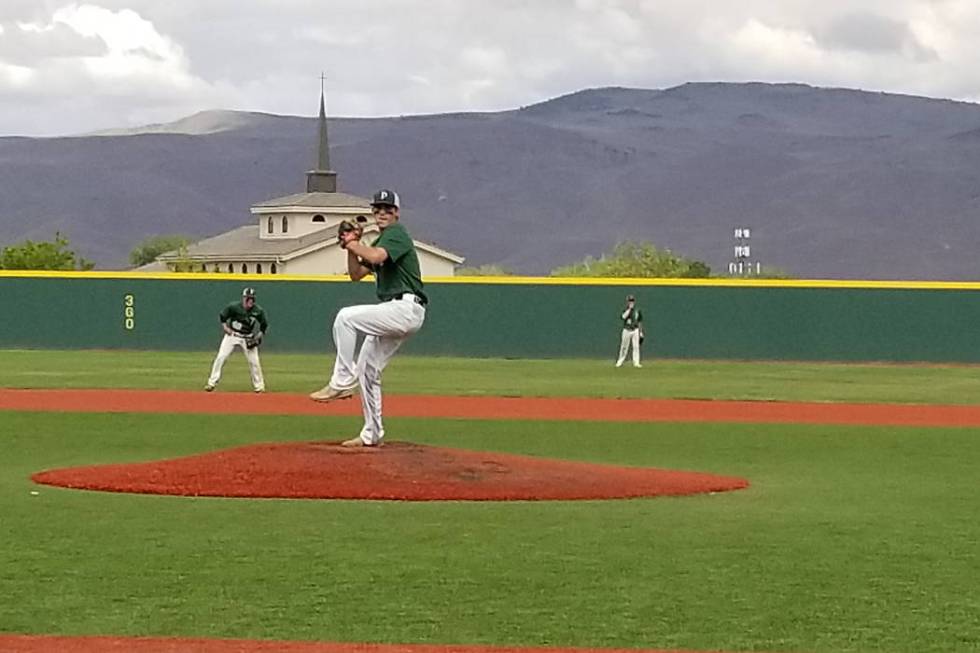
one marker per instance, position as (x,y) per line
(273,270)
(231,268)
(319,218)
(269,225)
(285,224)
(244,268)
(258,268)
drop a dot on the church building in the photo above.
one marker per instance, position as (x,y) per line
(296,234)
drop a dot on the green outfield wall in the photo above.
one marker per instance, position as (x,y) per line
(506,317)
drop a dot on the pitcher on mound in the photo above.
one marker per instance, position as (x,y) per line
(393,261)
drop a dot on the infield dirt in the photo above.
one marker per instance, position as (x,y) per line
(577,409)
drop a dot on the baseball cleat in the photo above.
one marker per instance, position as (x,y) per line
(357,442)
(208,388)
(259,391)
(329,393)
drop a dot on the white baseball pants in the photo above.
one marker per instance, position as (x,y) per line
(228,344)
(629,338)
(385,327)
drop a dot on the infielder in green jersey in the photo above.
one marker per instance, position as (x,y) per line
(244,325)
(393,261)
(632,332)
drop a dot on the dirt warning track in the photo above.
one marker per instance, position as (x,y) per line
(548,408)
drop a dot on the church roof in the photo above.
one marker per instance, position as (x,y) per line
(244,244)
(323,201)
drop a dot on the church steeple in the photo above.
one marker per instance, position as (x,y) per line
(322,179)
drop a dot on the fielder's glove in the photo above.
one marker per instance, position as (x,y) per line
(348,227)
(253,340)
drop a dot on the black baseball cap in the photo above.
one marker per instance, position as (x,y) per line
(248,292)
(630,298)
(385,197)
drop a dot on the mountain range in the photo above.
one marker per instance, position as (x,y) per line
(834,183)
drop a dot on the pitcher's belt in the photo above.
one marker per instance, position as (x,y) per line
(407,297)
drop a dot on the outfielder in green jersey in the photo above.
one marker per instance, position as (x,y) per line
(393,261)
(632,334)
(244,325)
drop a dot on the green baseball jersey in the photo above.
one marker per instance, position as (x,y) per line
(400,272)
(242,320)
(632,319)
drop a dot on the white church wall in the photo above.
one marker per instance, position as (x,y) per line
(333,260)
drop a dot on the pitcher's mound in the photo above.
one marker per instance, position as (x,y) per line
(397,471)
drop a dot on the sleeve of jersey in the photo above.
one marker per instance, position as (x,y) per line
(224,314)
(395,242)
(263,323)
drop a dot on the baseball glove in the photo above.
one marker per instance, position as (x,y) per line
(347,227)
(253,340)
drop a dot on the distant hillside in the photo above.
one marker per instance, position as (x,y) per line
(835,183)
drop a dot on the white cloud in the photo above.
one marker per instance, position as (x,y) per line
(137,58)
(488,60)
(472,91)
(114,68)
(135,50)
(33,28)
(15,76)
(775,45)
(330,35)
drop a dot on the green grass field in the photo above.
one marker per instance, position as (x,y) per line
(850,538)
(866,383)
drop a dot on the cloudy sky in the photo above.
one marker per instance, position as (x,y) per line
(72,67)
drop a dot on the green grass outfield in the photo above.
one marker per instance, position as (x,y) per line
(877,383)
(851,539)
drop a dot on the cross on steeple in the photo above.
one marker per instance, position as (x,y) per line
(322,179)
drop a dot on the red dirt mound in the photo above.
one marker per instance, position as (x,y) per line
(397,471)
